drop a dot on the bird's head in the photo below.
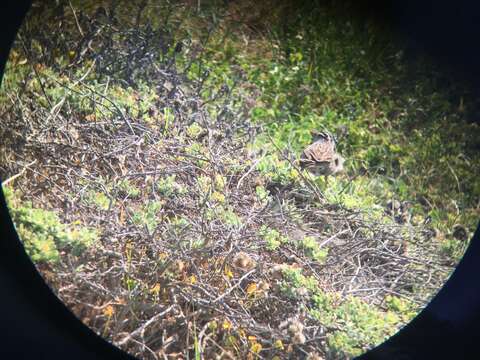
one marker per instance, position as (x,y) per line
(325,135)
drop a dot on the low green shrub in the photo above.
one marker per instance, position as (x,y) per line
(43,234)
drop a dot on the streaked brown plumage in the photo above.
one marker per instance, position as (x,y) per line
(321,157)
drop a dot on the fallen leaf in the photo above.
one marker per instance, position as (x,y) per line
(108,311)
(251,289)
(228,272)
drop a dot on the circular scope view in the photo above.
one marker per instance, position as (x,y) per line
(235,179)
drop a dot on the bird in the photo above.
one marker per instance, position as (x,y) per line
(321,157)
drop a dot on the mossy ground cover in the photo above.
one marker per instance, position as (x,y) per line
(158,179)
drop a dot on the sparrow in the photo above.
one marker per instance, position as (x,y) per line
(321,157)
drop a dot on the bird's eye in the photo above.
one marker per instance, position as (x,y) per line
(336,162)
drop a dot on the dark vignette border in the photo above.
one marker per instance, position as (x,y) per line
(36,324)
